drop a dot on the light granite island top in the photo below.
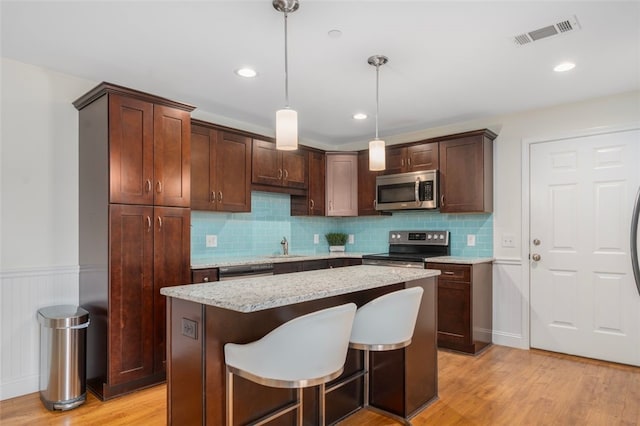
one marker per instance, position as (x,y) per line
(260,293)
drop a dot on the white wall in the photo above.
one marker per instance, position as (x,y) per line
(39,205)
(39,211)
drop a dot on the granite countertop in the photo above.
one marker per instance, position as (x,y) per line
(258,260)
(460,260)
(256,294)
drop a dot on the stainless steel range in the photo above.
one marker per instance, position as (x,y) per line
(410,249)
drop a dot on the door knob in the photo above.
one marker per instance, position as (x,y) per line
(536,257)
(536,242)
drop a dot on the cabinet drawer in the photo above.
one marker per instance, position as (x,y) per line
(452,272)
(204,275)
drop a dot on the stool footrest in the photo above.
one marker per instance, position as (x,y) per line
(345,381)
(266,419)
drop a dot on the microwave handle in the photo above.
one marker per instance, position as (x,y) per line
(417,190)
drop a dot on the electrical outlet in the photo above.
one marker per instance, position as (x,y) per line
(190,328)
(212,241)
(316,239)
(471,240)
(508,240)
(352,239)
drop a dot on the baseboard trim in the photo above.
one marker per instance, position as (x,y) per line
(510,340)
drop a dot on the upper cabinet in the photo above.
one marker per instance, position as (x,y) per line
(148,152)
(220,169)
(342,184)
(366,186)
(466,173)
(412,158)
(282,169)
(312,202)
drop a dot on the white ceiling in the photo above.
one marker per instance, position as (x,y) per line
(449,61)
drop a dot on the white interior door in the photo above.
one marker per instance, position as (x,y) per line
(584,299)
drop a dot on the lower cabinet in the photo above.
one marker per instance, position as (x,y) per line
(204,275)
(149,249)
(464,306)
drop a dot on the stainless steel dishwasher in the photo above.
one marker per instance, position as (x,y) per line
(237,272)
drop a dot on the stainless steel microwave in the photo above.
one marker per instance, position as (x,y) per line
(407,191)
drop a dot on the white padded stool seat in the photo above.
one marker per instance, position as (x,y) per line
(387,322)
(306,351)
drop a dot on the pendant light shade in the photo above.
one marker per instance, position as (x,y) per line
(287,118)
(286,129)
(377,160)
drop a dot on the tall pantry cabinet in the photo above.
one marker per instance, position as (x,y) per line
(134,217)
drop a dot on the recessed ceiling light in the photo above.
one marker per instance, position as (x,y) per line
(335,33)
(246,72)
(359,116)
(565,66)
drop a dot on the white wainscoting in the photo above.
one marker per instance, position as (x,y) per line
(22,293)
(510,304)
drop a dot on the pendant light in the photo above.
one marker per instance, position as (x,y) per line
(286,118)
(376,147)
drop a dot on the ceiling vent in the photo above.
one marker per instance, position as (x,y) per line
(562,27)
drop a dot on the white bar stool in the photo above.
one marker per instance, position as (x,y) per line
(385,323)
(307,351)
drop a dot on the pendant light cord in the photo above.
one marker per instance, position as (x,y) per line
(286,63)
(377,96)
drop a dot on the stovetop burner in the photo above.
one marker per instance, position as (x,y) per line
(413,246)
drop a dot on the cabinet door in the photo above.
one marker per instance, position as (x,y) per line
(204,275)
(294,169)
(465,185)
(422,157)
(287,267)
(316,192)
(366,186)
(130,150)
(171,266)
(395,160)
(171,156)
(342,185)
(203,143)
(130,293)
(233,176)
(454,314)
(266,167)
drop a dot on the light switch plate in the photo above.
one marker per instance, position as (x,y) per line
(352,239)
(471,240)
(212,241)
(508,240)
(316,239)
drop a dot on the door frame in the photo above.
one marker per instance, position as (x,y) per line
(525,232)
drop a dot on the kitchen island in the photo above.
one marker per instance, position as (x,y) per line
(201,318)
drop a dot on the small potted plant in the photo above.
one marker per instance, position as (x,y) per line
(336,240)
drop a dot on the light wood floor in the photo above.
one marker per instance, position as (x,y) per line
(502,386)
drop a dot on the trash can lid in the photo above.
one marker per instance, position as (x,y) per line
(62,316)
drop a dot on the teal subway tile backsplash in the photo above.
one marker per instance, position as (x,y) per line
(259,232)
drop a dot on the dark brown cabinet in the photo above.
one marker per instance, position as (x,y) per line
(285,169)
(134,230)
(342,184)
(464,306)
(148,153)
(220,169)
(204,275)
(312,202)
(315,264)
(366,186)
(412,158)
(466,173)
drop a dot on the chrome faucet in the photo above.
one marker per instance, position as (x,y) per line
(285,246)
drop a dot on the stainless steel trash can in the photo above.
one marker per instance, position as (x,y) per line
(63,346)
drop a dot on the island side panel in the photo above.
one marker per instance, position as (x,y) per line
(185,362)
(223,326)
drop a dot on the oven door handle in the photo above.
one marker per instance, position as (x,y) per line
(417,190)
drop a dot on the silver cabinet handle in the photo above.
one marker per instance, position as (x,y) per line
(402,162)
(212,197)
(448,273)
(634,241)
(159,223)
(148,223)
(147,185)
(279,174)
(409,161)
(159,186)
(219,196)
(206,279)
(442,200)
(536,257)
(286,174)
(311,204)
